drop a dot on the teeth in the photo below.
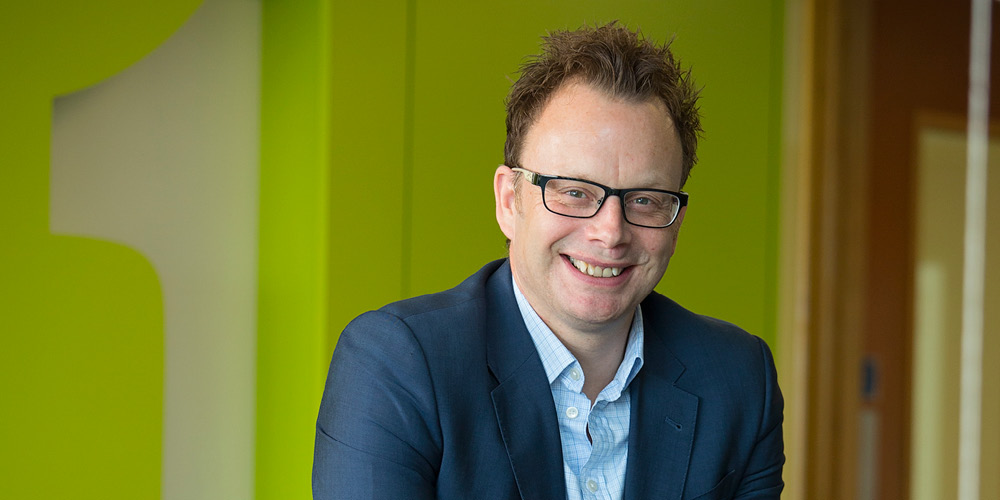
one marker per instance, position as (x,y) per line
(596,271)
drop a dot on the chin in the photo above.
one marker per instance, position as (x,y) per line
(603,312)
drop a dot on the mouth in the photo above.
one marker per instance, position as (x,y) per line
(595,271)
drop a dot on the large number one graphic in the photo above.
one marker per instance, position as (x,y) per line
(81,329)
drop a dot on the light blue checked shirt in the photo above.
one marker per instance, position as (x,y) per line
(592,471)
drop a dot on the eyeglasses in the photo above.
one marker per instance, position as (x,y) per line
(582,199)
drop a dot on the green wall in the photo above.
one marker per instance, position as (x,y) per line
(417,130)
(294,254)
(411,97)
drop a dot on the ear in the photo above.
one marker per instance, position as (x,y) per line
(503,192)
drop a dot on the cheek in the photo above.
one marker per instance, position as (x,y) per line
(537,232)
(548,227)
(661,246)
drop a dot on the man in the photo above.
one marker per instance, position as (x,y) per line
(558,372)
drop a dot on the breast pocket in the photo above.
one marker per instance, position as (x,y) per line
(721,491)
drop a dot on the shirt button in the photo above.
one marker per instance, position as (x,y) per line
(572,412)
(574,373)
(592,485)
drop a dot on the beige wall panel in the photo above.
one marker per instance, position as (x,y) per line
(938,311)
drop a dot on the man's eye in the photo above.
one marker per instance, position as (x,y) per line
(575,193)
(642,201)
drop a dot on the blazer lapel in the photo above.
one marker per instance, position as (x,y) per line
(662,425)
(522,399)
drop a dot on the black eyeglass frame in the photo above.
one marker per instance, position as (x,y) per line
(540,180)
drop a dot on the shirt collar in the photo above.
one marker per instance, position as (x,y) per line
(556,358)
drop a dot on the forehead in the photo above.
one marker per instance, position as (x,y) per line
(583,132)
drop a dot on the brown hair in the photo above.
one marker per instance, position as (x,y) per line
(613,59)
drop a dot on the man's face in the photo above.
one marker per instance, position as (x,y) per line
(582,133)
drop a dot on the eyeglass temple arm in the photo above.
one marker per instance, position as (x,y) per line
(528,174)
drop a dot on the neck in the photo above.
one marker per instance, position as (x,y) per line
(599,353)
(599,348)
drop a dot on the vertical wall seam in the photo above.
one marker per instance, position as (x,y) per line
(325,173)
(409,80)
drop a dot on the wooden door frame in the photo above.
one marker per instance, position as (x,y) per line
(824,207)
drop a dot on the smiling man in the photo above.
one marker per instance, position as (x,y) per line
(558,372)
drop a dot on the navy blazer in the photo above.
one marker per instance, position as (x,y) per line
(444,396)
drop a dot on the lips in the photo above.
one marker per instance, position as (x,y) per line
(595,271)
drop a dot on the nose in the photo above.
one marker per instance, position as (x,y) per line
(608,226)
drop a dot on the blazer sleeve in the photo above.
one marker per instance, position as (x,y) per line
(762,478)
(377,435)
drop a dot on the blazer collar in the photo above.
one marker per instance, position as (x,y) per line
(663,416)
(522,399)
